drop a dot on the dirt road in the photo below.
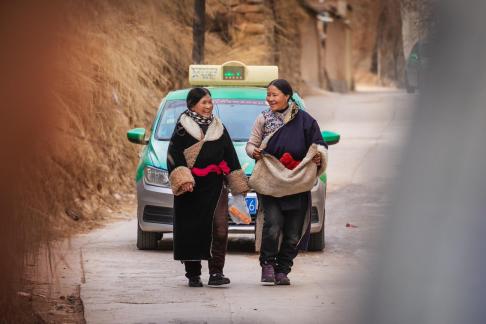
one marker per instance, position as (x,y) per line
(124,285)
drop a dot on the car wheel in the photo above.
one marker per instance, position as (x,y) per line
(317,240)
(147,240)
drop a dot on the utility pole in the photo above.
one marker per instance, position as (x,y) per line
(198,29)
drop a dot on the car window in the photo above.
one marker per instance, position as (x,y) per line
(237,115)
(168,118)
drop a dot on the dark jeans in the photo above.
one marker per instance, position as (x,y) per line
(286,217)
(219,241)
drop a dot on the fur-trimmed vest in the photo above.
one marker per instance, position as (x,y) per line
(184,162)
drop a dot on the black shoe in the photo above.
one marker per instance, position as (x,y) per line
(218,280)
(195,282)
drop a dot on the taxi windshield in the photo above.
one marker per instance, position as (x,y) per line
(238,115)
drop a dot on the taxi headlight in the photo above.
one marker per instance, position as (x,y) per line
(156,177)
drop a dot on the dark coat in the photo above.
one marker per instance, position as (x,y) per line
(295,137)
(194,211)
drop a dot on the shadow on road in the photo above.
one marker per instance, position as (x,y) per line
(236,245)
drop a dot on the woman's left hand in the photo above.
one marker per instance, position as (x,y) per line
(317,159)
(187,187)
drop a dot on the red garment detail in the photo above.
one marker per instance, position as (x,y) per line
(222,167)
(288,161)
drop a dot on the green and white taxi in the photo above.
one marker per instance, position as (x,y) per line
(238,93)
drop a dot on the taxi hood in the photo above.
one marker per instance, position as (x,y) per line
(157,153)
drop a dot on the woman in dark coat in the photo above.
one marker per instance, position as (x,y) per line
(290,152)
(202,163)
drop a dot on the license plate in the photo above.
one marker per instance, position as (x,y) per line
(252,204)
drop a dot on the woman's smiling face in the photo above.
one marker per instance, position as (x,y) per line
(204,107)
(276,99)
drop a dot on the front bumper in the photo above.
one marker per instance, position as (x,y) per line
(155,209)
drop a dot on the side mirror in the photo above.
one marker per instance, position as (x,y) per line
(330,138)
(137,136)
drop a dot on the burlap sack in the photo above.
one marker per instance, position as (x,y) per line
(271,177)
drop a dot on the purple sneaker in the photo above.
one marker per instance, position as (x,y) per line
(268,273)
(282,279)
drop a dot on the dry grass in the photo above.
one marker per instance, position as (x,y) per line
(121,57)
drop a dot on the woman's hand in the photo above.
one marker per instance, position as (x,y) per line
(257,153)
(187,187)
(317,159)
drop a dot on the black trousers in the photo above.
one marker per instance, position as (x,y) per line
(219,241)
(282,216)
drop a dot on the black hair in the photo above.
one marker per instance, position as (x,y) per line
(282,85)
(194,95)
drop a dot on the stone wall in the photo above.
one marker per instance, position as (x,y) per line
(251,19)
(266,32)
(416,16)
(252,29)
(390,57)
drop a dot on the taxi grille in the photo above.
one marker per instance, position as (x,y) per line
(314,218)
(156,214)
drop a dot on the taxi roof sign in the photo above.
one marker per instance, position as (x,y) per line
(232,73)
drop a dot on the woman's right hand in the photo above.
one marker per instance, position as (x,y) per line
(187,187)
(257,153)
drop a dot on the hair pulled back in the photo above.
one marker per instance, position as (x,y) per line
(282,85)
(194,95)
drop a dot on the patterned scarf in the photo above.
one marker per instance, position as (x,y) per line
(200,120)
(274,121)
